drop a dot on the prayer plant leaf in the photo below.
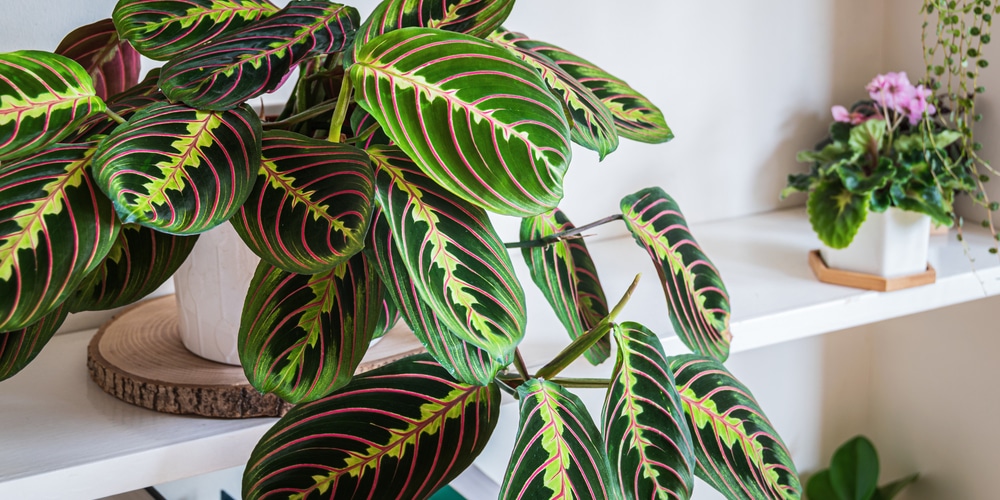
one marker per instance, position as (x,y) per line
(593,123)
(361,121)
(558,451)
(465,361)
(140,260)
(566,275)
(457,262)
(311,205)
(739,452)
(646,436)
(696,297)
(19,347)
(400,431)
(477,18)
(162,29)
(46,98)
(476,119)
(55,228)
(636,117)
(112,64)
(180,170)
(303,336)
(388,316)
(224,73)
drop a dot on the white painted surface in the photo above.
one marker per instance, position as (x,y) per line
(890,244)
(211,286)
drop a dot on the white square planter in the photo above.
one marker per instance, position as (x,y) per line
(889,244)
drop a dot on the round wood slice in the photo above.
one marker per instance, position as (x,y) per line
(138,357)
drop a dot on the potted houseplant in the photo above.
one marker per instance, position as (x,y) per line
(885,171)
(854,473)
(367,195)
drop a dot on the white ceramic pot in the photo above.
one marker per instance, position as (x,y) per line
(210,288)
(889,244)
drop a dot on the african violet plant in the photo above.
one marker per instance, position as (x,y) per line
(367,199)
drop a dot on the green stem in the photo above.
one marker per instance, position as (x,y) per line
(583,383)
(587,340)
(313,112)
(114,116)
(364,135)
(343,100)
(556,237)
(522,368)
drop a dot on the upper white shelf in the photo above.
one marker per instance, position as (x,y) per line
(774,296)
(65,438)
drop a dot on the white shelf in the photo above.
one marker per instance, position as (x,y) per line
(65,438)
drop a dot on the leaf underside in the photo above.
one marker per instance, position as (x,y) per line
(112,64)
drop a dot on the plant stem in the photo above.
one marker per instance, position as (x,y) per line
(343,99)
(114,116)
(313,112)
(583,383)
(522,368)
(579,346)
(556,237)
(364,135)
(502,384)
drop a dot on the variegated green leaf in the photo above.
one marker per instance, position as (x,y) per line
(477,18)
(19,347)
(593,123)
(388,316)
(43,98)
(112,64)
(738,451)
(179,170)
(310,208)
(646,436)
(55,228)
(303,336)
(400,431)
(566,275)
(138,263)
(124,105)
(362,121)
(506,143)
(465,361)
(636,117)
(226,72)
(696,297)
(458,264)
(162,29)
(558,452)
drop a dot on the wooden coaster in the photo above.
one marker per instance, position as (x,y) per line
(868,281)
(138,357)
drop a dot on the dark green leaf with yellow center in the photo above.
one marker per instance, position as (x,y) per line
(400,431)
(738,451)
(457,262)
(696,297)
(303,336)
(139,262)
(593,123)
(566,275)
(463,360)
(558,452)
(179,170)
(646,436)
(43,98)
(55,228)
(19,347)
(311,205)
(247,63)
(636,117)
(476,119)
(162,29)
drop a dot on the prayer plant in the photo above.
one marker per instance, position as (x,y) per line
(367,200)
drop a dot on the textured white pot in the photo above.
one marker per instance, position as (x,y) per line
(210,288)
(890,244)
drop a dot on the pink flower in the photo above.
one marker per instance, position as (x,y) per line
(916,104)
(840,114)
(890,90)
